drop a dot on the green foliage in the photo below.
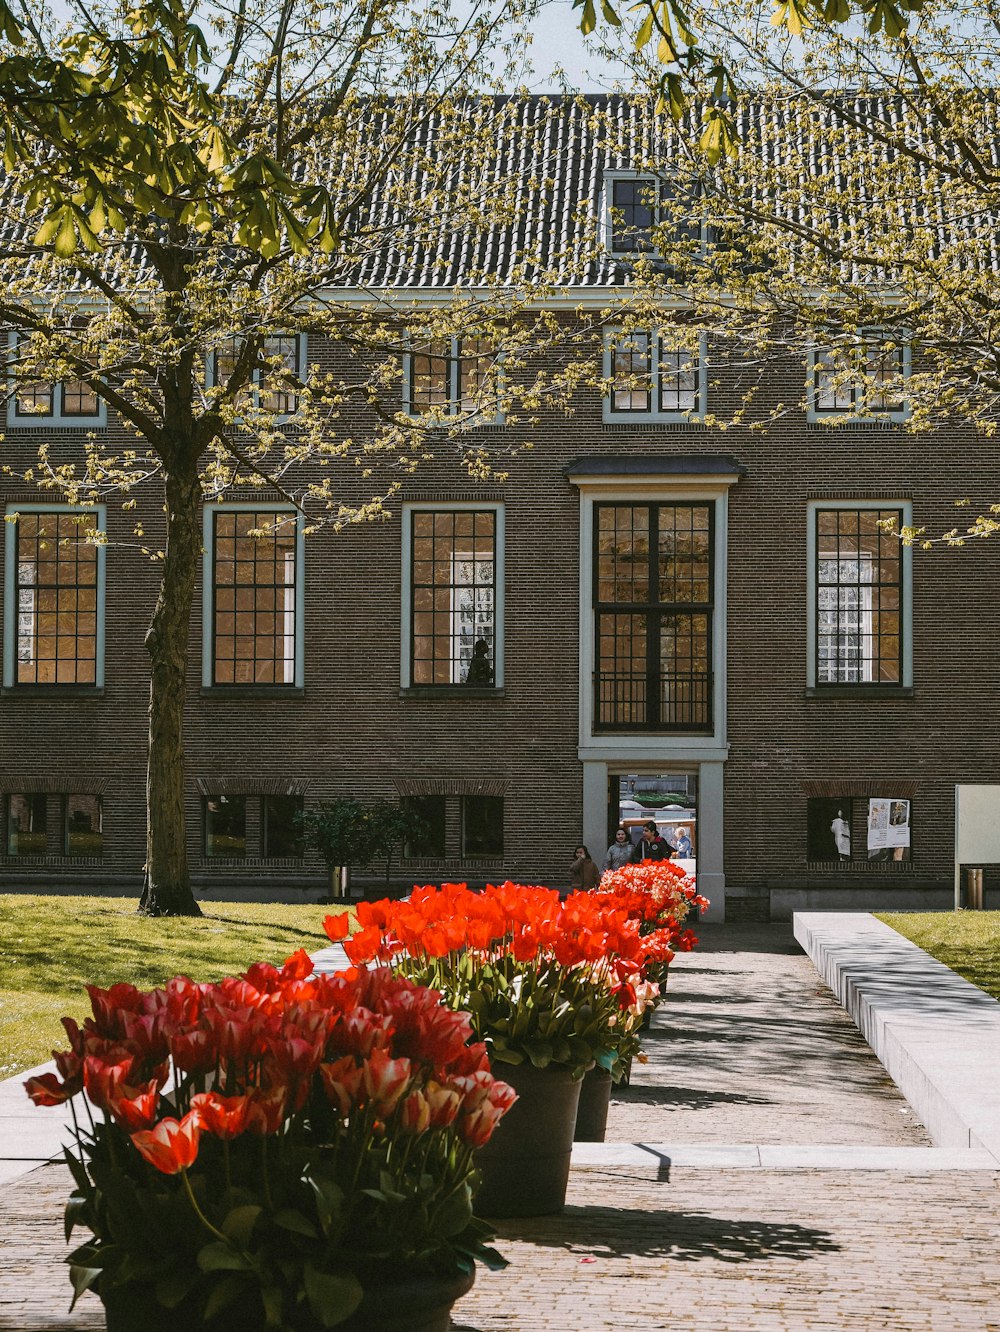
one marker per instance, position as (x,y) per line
(553,1015)
(670,29)
(347,832)
(50,947)
(134,125)
(966,941)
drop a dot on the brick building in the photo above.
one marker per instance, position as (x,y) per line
(649,616)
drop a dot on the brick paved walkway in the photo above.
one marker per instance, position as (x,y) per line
(750,1049)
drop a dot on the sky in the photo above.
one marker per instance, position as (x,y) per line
(557,41)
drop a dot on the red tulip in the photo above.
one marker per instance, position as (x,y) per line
(415,1114)
(267,1111)
(338,927)
(443,1104)
(137,1109)
(193,1051)
(171,1145)
(476,1128)
(46,1089)
(342,1081)
(386,1080)
(222,1116)
(103,1081)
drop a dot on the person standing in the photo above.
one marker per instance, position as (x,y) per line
(620,850)
(682,843)
(583,872)
(841,830)
(651,846)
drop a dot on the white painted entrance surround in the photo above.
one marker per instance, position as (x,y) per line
(646,480)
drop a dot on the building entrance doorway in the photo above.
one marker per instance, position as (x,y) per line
(668,799)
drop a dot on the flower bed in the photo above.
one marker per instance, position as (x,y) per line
(561,983)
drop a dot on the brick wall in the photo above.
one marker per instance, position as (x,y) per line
(351,732)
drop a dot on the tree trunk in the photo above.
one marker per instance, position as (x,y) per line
(167,886)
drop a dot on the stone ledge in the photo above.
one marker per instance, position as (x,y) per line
(937,1035)
(657,1157)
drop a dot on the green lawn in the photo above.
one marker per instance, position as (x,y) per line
(966,941)
(50,947)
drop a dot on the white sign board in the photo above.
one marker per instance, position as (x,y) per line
(977,829)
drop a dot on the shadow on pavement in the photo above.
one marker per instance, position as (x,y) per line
(691,1098)
(687,1237)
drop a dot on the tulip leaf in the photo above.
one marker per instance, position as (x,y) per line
(454,1214)
(290,1219)
(83,1279)
(223,1293)
(219,1257)
(332,1296)
(76,1211)
(175,1287)
(238,1225)
(329,1201)
(79,1172)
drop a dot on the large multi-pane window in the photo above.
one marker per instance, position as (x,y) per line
(254,574)
(281,827)
(653,603)
(54,588)
(278,368)
(636,205)
(482,827)
(451,376)
(650,378)
(866,376)
(40,824)
(265,827)
(453,596)
(858,579)
(40,401)
(431,837)
(226,826)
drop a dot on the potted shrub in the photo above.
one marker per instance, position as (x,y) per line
(279,1151)
(546,984)
(348,834)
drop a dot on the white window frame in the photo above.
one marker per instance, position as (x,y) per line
(301,364)
(856,411)
(406,585)
(657,180)
(812,593)
(208,587)
(453,410)
(11,608)
(58,416)
(611,416)
(654,489)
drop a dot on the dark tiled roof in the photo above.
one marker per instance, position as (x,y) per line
(547,172)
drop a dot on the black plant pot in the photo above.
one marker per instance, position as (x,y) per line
(525,1165)
(595,1101)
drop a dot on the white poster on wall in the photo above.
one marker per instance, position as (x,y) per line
(888,823)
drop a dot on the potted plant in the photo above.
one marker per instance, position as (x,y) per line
(546,984)
(348,834)
(281,1151)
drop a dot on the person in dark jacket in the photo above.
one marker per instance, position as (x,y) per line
(650,846)
(583,873)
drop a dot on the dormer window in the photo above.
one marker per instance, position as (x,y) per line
(636,205)
(40,401)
